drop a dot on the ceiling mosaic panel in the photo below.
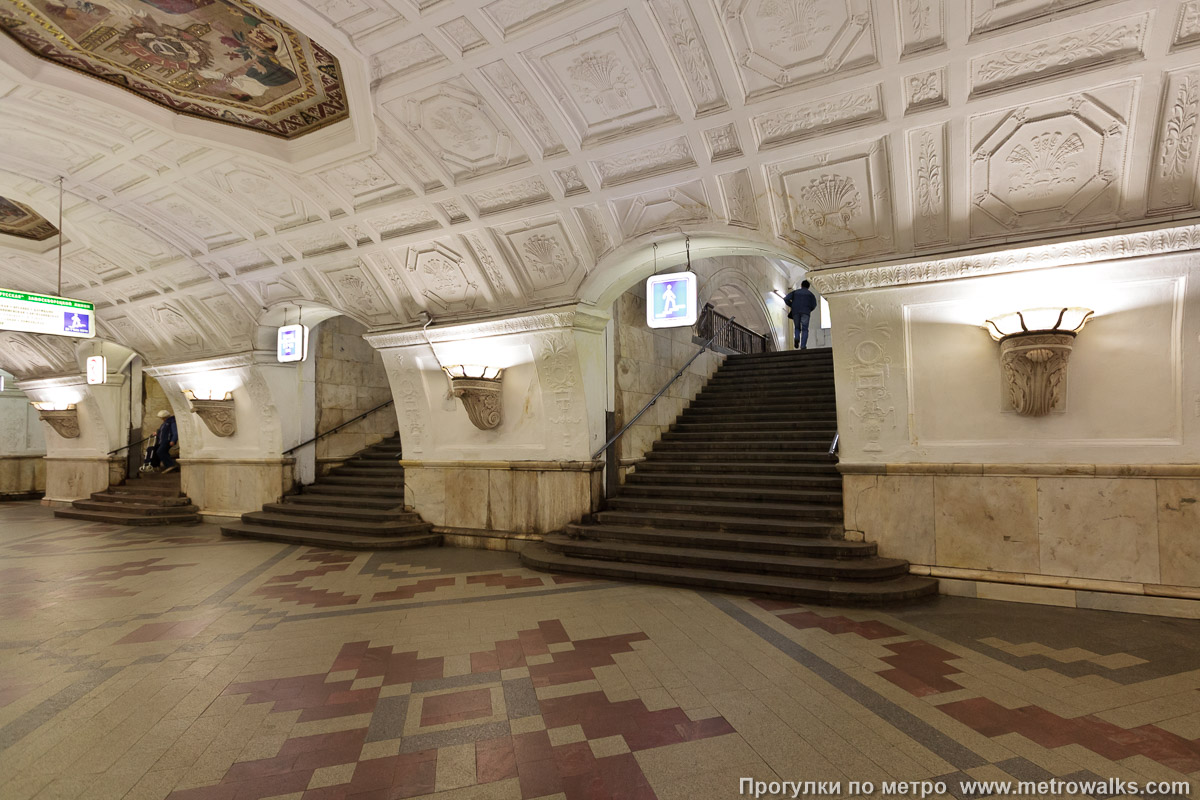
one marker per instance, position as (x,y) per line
(224,60)
(18,219)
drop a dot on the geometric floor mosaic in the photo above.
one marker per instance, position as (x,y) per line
(175,663)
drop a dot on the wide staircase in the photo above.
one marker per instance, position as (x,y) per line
(150,499)
(740,495)
(357,506)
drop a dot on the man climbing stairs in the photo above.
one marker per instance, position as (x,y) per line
(358,506)
(741,495)
(149,499)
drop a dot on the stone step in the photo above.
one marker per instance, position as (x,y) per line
(143,498)
(751,428)
(782,402)
(360,490)
(811,354)
(343,499)
(757,445)
(333,541)
(729,454)
(704,435)
(144,490)
(397,514)
(372,455)
(363,480)
(127,518)
(144,509)
(718,540)
(750,414)
(392,472)
(830,513)
(368,463)
(732,524)
(804,391)
(856,569)
(814,482)
(739,493)
(356,527)
(791,469)
(811,590)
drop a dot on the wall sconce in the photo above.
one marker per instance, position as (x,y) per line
(216,412)
(1035,345)
(62,417)
(479,389)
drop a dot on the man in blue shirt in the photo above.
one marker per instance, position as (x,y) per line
(801,302)
(166,438)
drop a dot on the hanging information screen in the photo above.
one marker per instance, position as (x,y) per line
(40,313)
(671,300)
(292,343)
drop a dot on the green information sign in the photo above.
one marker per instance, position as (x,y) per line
(41,313)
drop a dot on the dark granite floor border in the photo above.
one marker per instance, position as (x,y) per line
(918,730)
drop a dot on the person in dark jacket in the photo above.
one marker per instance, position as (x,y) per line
(166,438)
(801,302)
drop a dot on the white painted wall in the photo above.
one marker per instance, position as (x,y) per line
(918,357)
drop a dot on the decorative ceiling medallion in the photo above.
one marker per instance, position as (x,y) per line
(18,219)
(225,60)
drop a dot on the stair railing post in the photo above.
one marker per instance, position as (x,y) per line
(612,476)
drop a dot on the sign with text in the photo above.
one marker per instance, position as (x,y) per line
(97,369)
(291,344)
(671,300)
(40,313)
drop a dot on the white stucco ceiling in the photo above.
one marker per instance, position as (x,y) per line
(515,144)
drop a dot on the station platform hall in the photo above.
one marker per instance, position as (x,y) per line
(624,400)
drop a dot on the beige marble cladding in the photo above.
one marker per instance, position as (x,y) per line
(897,514)
(1129,529)
(1101,528)
(351,380)
(506,497)
(1179,531)
(22,475)
(986,523)
(232,487)
(70,479)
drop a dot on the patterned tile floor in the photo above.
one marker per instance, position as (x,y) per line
(173,663)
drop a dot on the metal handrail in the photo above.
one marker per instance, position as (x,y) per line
(132,444)
(833,446)
(738,338)
(661,391)
(337,428)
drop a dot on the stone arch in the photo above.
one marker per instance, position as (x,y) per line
(636,260)
(768,315)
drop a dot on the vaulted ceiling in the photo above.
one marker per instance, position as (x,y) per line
(506,148)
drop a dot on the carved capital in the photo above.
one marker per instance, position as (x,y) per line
(1034,367)
(218,416)
(481,399)
(65,422)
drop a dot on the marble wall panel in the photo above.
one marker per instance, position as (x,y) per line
(21,475)
(1100,528)
(70,479)
(986,523)
(1179,531)
(896,512)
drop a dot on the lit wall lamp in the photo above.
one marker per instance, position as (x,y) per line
(1035,345)
(217,412)
(479,389)
(63,417)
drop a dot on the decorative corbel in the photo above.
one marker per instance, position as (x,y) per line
(64,421)
(479,390)
(217,413)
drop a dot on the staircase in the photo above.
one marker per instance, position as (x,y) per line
(151,499)
(357,506)
(740,495)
